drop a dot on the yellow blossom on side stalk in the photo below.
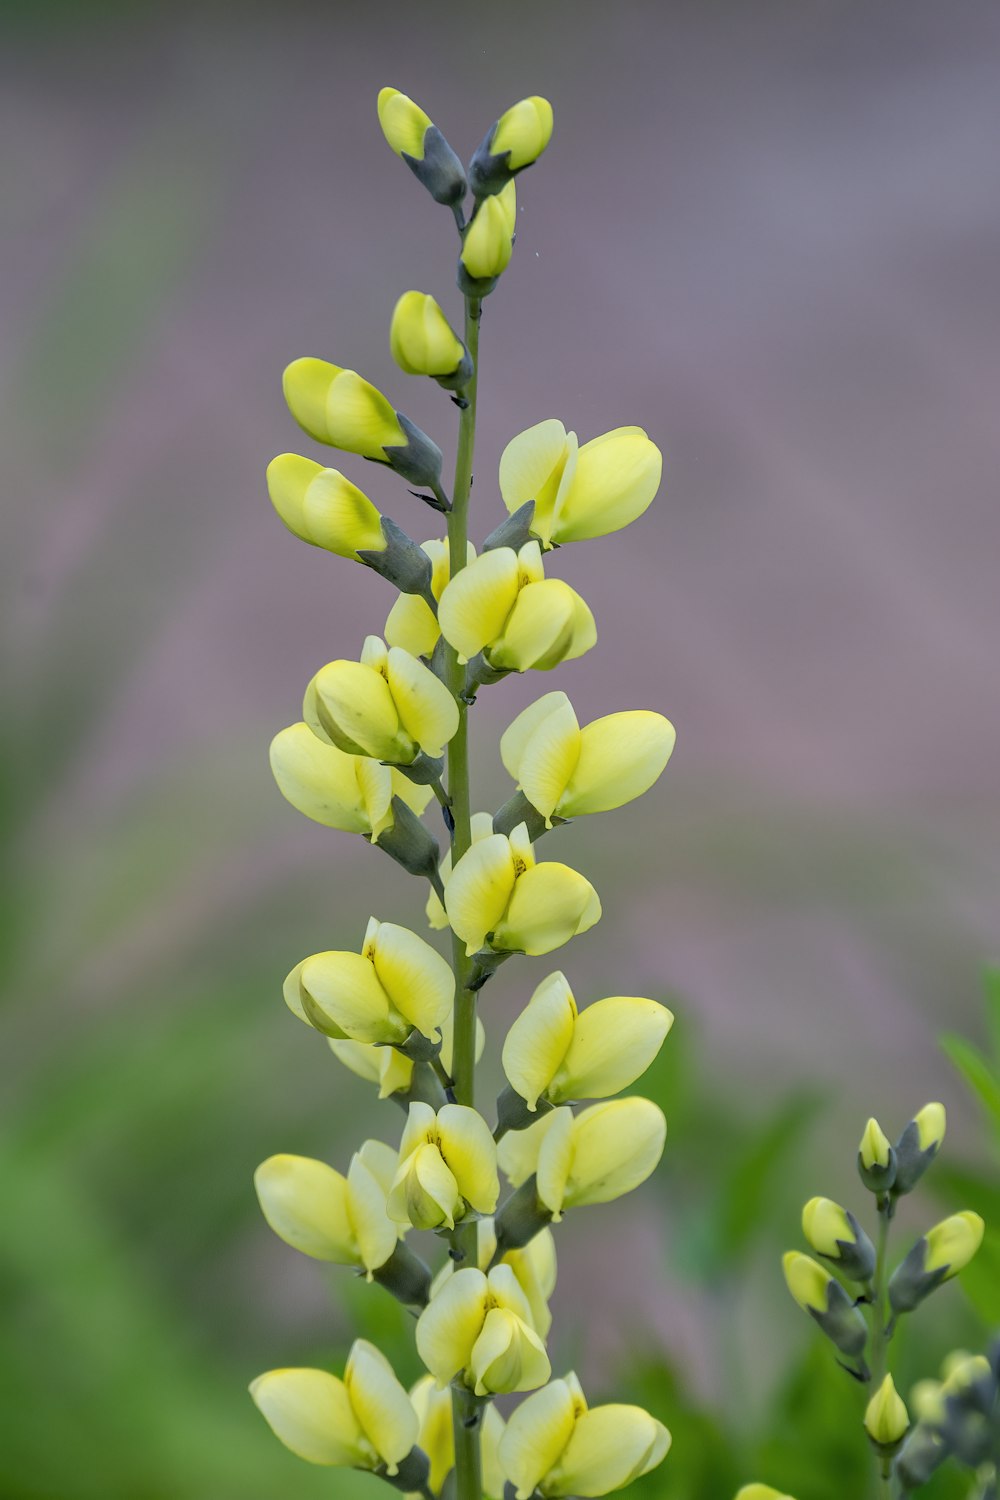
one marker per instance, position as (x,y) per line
(411,622)
(388,705)
(554,1051)
(391,1069)
(329,1217)
(498,892)
(503,605)
(397,984)
(488,243)
(886,1417)
(423,342)
(592,1157)
(364,1421)
(565,771)
(516,141)
(437,1437)
(555,1445)
(323,508)
(447,1166)
(478,1329)
(350,792)
(579,492)
(937,1256)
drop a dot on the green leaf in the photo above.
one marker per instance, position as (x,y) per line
(977,1071)
(991,984)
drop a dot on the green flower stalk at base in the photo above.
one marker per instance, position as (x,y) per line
(380,740)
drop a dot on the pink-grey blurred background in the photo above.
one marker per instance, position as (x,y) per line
(768,233)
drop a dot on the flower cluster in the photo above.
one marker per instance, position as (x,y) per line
(860,1319)
(381,738)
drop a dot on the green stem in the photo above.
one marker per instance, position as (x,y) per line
(468,1460)
(880,1323)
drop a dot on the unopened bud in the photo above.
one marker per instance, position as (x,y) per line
(918,1146)
(876,1159)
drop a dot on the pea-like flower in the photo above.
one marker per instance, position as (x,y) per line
(534,1265)
(388,705)
(437,1437)
(338,407)
(824,1299)
(936,1257)
(593,1157)
(423,342)
(396,985)
(836,1234)
(554,1052)
(478,1329)
(555,1445)
(328,1216)
(350,792)
(391,1069)
(447,1168)
(365,1421)
(503,605)
(516,141)
(411,623)
(579,492)
(416,139)
(323,508)
(886,1417)
(498,893)
(565,771)
(488,243)
(481,828)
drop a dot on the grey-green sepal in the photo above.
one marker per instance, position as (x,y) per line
(406,1276)
(875,1178)
(517,809)
(460,375)
(474,286)
(404,563)
(424,769)
(412,1475)
(911,1161)
(519,1219)
(425,1088)
(485,964)
(479,674)
(513,1112)
(409,843)
(440,171)
(857,1255)
(419,459)
(489,173)
(515,531)
(923,1451)
(842,1322)
(911,1282)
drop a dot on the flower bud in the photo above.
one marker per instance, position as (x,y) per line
(411,622)
(396,985)
(922,1453)
(350,792)
(824,1299)
(886,1417)
(388,705)
(837,1235)
(579,492)
(876,1159)
(760,1492)
(336,406)
(414,137)
(329,1217)
(478,1329)
(423,343)
(556,1446)
(503,605)
(938,1256)
(488,243)
(565,771)
(447,1166)
(364,1421)
(437,1437)
(516,141)
(497,893)
(553,1051)
(323,508)
(918,1146)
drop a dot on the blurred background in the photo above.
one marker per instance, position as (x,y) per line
(769,233)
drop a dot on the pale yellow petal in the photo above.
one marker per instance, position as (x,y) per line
(613,1044)
(531,461)
(318,780)
(427,710)
(306,384)
(416,797)
(404,124)
(610,1447)
(357,711)
(306,1204)
(616,1146)
(523,132)
(617,476)
(475,605)
(519,1150)
(517,735)
(494,1478)
(555,1160)
(375,1233)
(311,1412)
(381,1405)
(549,760)
(550,904)
(346,989)
(361,1057)
(450,1324)
(359,419)
(536,1436)
(620,758)
(508,1355)
(418,981)
(424,1193)
(479,889)
(539,630)
(540,1038)
(411,625)
(381,1161)
(469,1149)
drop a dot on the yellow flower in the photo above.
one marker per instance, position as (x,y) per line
(886,1417)
(918,1146)
(447,1166)
(930,1123)
(392,1070)
(350,792)
(534,1265)
(498,892)
(323,508)
(833,1232)
(422,340)
(338,407)
(395,985)
(593,1157)
(503,604)
(316,1210)
(414,137)
(808,1283)
(565,771)
(523,132)
(437,1437)
(579,492)
(555,1445)
(952,1244)
(412,623)
(478,1328)
(875,1148)
(553,1051)
(488,242)
(388,705)
(761,1492)
(482,828)
(360,1422)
